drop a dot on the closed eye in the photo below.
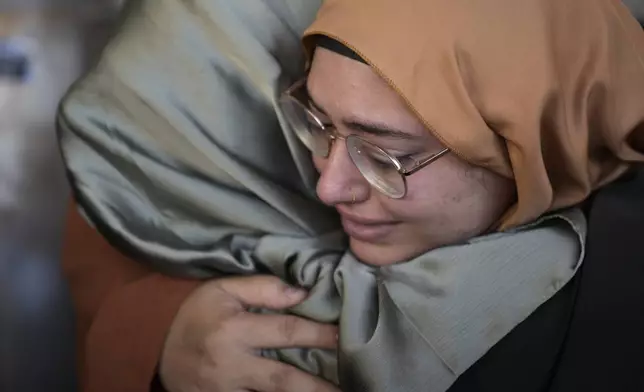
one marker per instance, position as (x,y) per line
(407,159)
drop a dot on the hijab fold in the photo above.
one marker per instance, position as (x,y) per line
(177,152)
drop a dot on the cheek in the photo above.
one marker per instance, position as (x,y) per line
(446,183)
(423,203)
(452,196)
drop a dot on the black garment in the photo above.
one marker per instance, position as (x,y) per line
(526,360)
(590,335)
(605,347)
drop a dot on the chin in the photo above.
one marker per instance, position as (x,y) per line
(379,255)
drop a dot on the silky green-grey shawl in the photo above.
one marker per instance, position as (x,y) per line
(176,151)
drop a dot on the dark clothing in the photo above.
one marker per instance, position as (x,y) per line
(590,336)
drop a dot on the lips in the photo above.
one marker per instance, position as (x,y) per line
(366,230)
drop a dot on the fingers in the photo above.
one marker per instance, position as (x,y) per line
(263,292)
(283,331)
(279,377)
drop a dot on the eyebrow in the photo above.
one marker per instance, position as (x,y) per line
(375,129)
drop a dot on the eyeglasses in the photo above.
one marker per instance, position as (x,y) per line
(383,171)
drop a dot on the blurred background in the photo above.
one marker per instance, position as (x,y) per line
(637,6)
(44,46)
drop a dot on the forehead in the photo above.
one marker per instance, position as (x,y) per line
(345,87)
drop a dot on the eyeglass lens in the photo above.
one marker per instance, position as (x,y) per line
(373,163)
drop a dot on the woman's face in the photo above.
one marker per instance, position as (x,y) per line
(446,202)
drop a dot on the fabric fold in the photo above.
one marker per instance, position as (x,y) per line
(175,148)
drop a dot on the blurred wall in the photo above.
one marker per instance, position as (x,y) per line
(59,39)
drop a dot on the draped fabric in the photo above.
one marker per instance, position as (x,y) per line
(177,153)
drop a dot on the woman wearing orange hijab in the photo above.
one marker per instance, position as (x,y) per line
(456,141)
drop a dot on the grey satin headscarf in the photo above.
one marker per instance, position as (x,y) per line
(177,151)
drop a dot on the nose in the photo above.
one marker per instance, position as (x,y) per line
(340,180)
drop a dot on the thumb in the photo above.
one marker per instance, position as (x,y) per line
(264,291)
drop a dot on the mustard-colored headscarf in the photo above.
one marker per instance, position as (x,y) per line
(548,92)
(178,153)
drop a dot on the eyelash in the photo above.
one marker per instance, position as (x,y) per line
(402,158)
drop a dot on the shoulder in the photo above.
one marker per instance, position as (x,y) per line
(589,335)
(603,350)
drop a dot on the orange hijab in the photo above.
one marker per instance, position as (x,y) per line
(547,92)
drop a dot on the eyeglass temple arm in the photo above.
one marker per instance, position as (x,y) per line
(425,162)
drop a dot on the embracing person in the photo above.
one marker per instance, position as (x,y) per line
(404,207)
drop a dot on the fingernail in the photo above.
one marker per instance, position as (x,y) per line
(295,292)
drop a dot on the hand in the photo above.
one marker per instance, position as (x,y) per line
(213,342)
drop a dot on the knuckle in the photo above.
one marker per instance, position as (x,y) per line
(216,340)
(270,290)
(228,329)
(288,328)
(328,334)
(282,378)
(216,366)
(274,285)
(211,346)
(207,369)
(204,380)
(269,281)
